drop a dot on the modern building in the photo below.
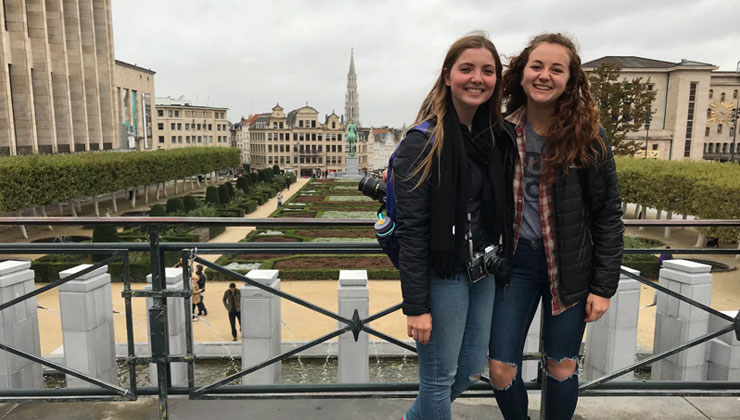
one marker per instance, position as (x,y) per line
(180,123)
(56,77)
(351,99)
(298,141)
(134,98)
(692,112)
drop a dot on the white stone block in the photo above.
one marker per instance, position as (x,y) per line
(627,309)
(266,277)
(684,277)
(352,278)
(686,266)
(76,269)
(256,351)
(716,323)
(12,266)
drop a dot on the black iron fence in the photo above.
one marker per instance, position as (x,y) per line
(191,252)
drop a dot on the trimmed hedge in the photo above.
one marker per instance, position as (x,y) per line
(157,210)
(175,205)
(190,203)
(61,177)
(707,190)
(212,196)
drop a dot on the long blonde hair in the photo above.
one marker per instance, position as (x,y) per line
(434,106)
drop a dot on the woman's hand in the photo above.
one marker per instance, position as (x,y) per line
(596,307)
(419,327)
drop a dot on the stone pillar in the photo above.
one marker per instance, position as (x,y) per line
(723,361)
(76,73)
(19,328)
(20,73)
(59,77)
(86,305)
(353,295)
(261,327)
(611,342)
(530,368)
(677,322)
(176,319)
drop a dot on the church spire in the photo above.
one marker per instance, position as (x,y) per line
(351,99)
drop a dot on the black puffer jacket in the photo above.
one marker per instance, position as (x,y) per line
(588,230)
(413,215)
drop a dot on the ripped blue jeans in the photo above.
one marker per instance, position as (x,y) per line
(456,352)
(513,310)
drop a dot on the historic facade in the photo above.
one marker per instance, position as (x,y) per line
(692,112)
(297,141)
(179,123)
(134,98)
(351,100)
(56,77)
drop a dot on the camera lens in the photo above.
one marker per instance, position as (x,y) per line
(497,266)
(372,187)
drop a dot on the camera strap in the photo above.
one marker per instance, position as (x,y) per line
(469,209)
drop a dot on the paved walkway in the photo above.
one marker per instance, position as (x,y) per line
(180,408)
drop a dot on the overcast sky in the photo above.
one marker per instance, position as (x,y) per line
(250,55)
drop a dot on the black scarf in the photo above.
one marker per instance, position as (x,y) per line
(451,194)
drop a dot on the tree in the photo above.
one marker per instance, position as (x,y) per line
(624,106)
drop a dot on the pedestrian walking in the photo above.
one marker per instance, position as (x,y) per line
(202,278)
(232,302)
(195,294)
(280,199)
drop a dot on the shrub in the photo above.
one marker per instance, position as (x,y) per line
(253,178)
(243,184)
(223,194)
(175,205)
(249,206)
(190,203)
(212,196)
(276,170)
(157,210)
(230,187)
(105,234)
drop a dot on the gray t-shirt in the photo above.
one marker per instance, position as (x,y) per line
(531,227)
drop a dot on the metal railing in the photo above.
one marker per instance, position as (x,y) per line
(162,358)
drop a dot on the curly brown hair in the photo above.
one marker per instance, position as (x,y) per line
(574,137)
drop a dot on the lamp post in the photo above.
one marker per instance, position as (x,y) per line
(735,116)
(647,133)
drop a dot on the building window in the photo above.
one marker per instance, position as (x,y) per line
(339,137)
(734,94)
(281,136)
(281,126)
(179,139)
(160,126)
(174,139)
(269,148)
(187,126)
(719,128)
(187,139)
(169,113)
(339,149)
(179,126)
(160,113)
(198,127)
(732,131)
(722,97)
(690,120)
(333,124)
(706,132)
(339,160)
(655,147)
(177,113)
(313,123)
(161,139)
(313,136)
(300,123)
(210,127)
(172,126)
(711,93)
(709,112)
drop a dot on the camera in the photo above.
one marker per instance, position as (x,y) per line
(373,188)
(489,262)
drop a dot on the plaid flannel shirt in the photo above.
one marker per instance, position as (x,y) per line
(547,216)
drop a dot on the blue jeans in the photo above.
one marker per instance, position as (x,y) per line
(455,355)
(514,309)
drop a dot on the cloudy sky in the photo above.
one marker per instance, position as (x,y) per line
(249,55)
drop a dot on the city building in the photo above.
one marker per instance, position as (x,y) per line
(134,98)
(298,141)
(241,138)
(381,144)
(56,77)
(180,123)
(692,112)
(351,99)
